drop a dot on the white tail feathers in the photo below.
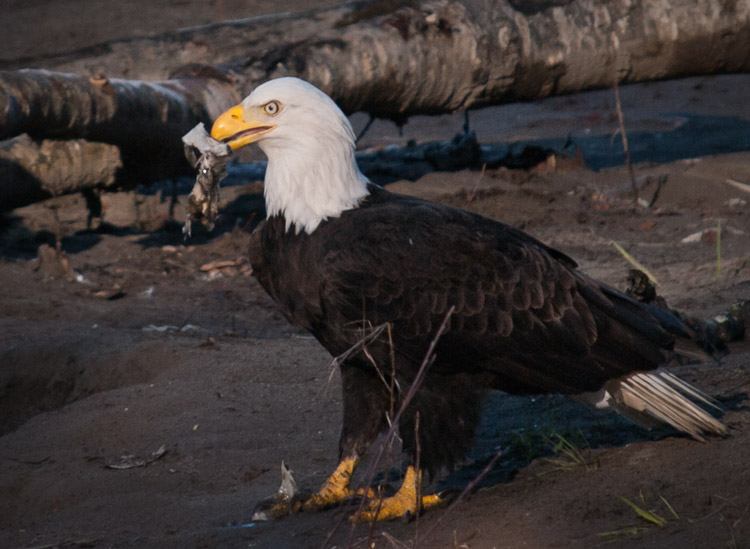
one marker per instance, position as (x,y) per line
(651,398)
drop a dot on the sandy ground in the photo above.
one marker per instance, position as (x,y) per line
(143,354)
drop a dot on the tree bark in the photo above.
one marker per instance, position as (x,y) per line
(128,113)
(133,125)
(445,56)
(390,58)
(31,171)
(396,58)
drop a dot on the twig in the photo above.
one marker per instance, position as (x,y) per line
(394,384)
(718,249)
(365,129)
(360,344)
(418,494)
(659,184)
(394,542)
(469,487)
(415,385)
(738,185)
(624,136)
(364,340)
(473,192)
(393,423)
(728,502)
(393,387)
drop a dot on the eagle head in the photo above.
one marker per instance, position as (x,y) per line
(312,173)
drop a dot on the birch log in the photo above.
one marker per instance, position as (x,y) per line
(395,58)
(390,58)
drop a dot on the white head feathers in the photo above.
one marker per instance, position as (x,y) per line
(312,174)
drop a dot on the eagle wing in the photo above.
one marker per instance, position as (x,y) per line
(523,314)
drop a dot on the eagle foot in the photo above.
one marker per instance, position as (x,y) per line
(402,505)
(320,502)
(336,488)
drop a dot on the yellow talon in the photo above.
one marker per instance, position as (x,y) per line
(402,503)
(335,488)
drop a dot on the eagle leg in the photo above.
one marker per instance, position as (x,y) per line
(402,503)
(336,488)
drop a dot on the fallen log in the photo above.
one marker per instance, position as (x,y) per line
(128,113)
(132,130)
(36,170)
(389,58)
(400,58)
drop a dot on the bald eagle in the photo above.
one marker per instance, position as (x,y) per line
(342,256)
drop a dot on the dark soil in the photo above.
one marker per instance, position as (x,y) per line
(90,370)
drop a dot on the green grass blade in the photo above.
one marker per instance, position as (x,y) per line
(635,263)
(671,509)
(649,516)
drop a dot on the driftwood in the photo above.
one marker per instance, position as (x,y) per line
(132,130)
(127,113)
(35,170)
(395,58)
(389,58)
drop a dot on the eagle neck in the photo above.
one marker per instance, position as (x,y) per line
(312,182)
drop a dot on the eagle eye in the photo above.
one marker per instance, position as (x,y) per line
(272,108)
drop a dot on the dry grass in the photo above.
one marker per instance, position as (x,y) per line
(624,136)
(647,514)
(635,263)
(568,454)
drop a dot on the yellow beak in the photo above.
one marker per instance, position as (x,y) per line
(235,131)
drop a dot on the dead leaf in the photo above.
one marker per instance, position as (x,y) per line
(228,267)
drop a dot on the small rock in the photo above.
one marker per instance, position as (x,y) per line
(147,293)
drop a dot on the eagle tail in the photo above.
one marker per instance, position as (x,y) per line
(652,398)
